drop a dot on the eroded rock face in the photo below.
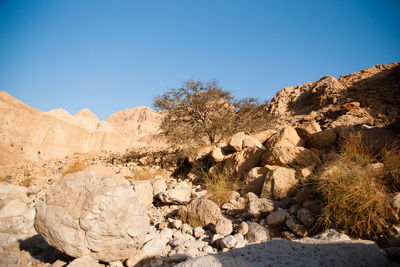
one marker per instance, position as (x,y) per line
(87,213)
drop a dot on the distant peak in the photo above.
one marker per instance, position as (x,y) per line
(86,113)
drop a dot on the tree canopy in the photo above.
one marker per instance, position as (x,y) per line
(202,111)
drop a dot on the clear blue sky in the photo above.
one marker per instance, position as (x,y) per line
(112,55)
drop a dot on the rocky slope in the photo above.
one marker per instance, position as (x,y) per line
(30,134)
(51,213)
(370,96)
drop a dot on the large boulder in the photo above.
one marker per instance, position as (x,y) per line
(87,213)
(290,156)
(240,163)
(287,136)
(278,183)
(254,179)
(201,212)
(264,135)
(321,139)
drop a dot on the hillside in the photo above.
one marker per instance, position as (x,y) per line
(30,134)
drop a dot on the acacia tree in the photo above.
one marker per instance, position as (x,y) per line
(202,110)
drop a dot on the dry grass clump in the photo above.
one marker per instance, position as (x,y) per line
(26,182)
(5,179)
(75,167)
(219,184)
(142,174)
(391,162)
(355,198)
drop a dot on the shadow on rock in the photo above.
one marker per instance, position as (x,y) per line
(40,250)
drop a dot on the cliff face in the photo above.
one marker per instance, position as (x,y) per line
(30,134)
(140,125)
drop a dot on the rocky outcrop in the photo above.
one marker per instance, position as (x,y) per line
(87,213)
(138,125)
(368,96)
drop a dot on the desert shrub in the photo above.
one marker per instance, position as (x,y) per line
(391,162)
(219,183)
(203,112)
(5,179)
(354,196)
(143,173)
(75,167)
(26,182)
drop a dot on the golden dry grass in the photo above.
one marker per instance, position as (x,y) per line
(26,182)
(391,162)
(355,199)
(5,179)
(143,174)
(75,167)
(219,184)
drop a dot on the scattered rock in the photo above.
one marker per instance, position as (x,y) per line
(243,228)
(236,142)
(321,139)
(277,217)
(257,233)
(297,228)
(290,156)
(228,242)
(223,227)
(260,205)
(201,212)
(217,155)
(144,191)
(176,194)
(287,136)
(305,217)
(278,183)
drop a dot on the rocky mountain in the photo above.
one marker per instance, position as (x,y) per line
(138,124)
(30,134)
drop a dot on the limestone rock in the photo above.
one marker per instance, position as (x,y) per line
(245,160)
(236,142)
(176,194)
(243,228)
(257,233)
(254,179)
(260,205)
(277,217)
(297,228)
(290,156)
(87,213)
(159,185)
(201,212)
(321,139)
(217,155)
(263,136)
(228,242)
(251,142)
(14,207)
(85,261)
(278,183)
(305,217)
(287,136)
(224,227)
(144,191)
